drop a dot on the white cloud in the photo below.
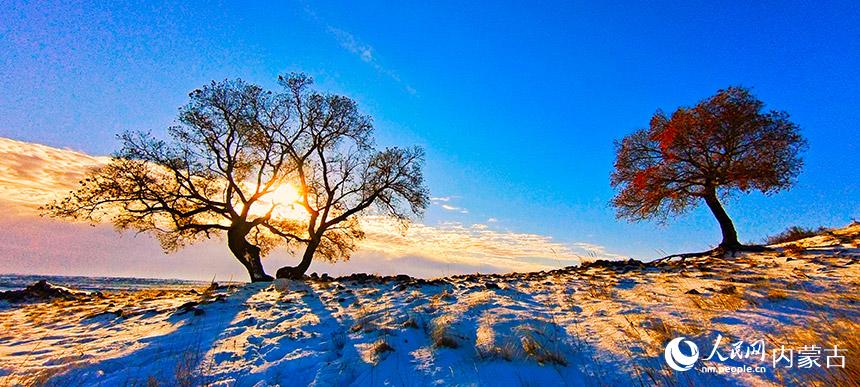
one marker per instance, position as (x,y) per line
(32,174)
(362,50)
(349,42)
(443,202)
(449,207)
(474,245)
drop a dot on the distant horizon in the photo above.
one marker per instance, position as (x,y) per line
(56,167)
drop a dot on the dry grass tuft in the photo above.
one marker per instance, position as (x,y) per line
(374,352)
(660,330)
(185,367)
(841,332)
(381,346)
(770,291)
(720,302)
(599,288)
(653,333)
(793,250)
(42,377)
(474,299)
(793,234)
(411,322)
(486,344)
(540,352)
(364,320)
(440,333)
(776,294)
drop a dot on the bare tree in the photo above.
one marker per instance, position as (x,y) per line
(341,176)
(235,146)
(724,144)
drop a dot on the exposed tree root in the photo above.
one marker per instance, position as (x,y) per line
(718,252)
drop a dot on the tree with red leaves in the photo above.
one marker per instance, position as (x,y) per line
(723,145)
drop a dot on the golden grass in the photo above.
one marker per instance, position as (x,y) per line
(440,333)
(770,290)
(411,322)
(601,289)
(526,341)
(487,345)
(374,352)
(544,351)
(474,299)
(184,371)
(720,302)
(793,250)
(826,333)
(776,294)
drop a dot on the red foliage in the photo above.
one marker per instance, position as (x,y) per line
(666,138)
(726,142)
(639,181)
(643,178)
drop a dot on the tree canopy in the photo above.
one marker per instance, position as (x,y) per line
(724,144)
(235,146)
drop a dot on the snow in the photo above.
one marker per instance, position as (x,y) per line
(599,324)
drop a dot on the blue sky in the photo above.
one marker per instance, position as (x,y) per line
(517,105)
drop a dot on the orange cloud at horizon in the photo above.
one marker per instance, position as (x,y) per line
(32,174)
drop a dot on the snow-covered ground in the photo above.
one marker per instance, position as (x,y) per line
(600,324)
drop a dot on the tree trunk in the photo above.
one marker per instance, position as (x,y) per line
(730,236)
(297,272)
(248,255)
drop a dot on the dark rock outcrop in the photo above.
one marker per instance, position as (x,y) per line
(43,291)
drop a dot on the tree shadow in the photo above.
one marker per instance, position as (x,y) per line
(170,357)
(323,333)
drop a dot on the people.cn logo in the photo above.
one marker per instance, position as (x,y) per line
(677,360)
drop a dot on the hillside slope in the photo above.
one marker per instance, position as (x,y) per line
(603,323)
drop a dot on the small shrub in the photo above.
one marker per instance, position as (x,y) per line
(445,341)
(440,334)
(776,294)
(381,347)
(722,302)
(489,346)
(794,250)
(411,322)
(184,371)
(373,353)
(543,355)
(600,289)
(792,234)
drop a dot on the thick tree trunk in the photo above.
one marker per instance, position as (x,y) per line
(730,236)
(248,255)
(297,272)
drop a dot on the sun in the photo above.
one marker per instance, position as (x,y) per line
(286,200)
